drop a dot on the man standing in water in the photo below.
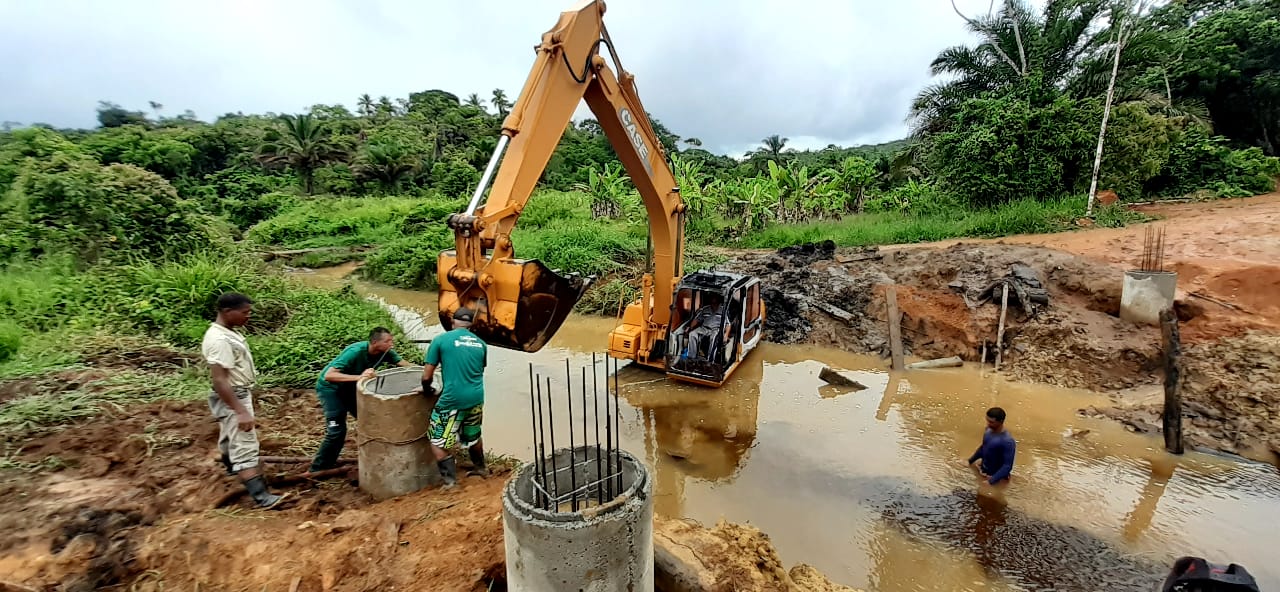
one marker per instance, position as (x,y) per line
(336,389)
(231,402)
(457,411)
(997,449)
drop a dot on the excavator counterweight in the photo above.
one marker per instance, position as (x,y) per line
(519,303)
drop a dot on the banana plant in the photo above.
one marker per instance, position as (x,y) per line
(606,190)
(754,201)
(851,180)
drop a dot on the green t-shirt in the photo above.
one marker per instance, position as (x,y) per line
(354,359)
(461,357)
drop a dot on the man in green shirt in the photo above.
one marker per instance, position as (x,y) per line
(457,410)
(336,388)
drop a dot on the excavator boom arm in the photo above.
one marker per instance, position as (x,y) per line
(521,304)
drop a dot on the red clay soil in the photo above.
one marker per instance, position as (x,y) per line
(134,510)
(1227,249)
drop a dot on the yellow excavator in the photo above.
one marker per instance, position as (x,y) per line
(696,327)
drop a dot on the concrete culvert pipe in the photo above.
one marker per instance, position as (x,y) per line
(395,448)
(600,547)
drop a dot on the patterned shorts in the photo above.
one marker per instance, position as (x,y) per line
(453,427)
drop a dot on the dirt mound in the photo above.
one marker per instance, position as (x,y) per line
(947,310)
(727,558)
(1230,394)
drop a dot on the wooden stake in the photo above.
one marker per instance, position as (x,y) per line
(1172,417)
(1004,307)
(895,328)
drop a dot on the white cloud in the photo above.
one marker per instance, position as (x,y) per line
(729,73)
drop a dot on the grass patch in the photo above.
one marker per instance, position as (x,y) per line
(409,261)
(318,259)
(295,330)
(38,412)
(329,222)
(10,339)
(586,247)
(1017,217)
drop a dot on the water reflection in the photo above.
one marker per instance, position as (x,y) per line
(1009,544)
(696,432)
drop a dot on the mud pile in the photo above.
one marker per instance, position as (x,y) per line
(727,558)
(1230,396)
(837,298)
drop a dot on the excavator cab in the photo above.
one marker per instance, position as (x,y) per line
(716,318)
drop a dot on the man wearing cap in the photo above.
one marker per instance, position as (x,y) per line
(457,409)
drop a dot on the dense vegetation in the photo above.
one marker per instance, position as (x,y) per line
(134,227)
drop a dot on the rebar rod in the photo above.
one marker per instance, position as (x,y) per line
(542,451)
(595,407)
(617,420)
(551,417)
(573,459)
(533,417)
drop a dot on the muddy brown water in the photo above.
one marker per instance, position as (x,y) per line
(870,486)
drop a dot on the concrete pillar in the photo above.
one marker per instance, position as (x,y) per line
(599,548)
(1145,293)
(395,449)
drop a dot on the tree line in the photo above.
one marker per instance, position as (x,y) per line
(1189,91)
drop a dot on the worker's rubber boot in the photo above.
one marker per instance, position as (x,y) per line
(477,459)
(226,463)
(449,470)
(257,487)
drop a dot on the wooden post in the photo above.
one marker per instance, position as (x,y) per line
(1172,417)
(1004,307)
(895,329)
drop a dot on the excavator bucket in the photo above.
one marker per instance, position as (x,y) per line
(520,308)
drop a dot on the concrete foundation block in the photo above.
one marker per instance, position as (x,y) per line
(1145,294)
(394,446)
(599,548)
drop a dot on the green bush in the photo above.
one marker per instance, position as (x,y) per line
(588,248)
(325,222)
(1199,161)
(1016,217)
(409,261)
(10,339)
(1008,147)
(430,214)
(68,203)
(546,207)
(454,178)
(44,294)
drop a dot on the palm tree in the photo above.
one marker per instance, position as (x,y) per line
(1018,49)
(499,102)
(304,146)
(388,162)
(365,102)
(773,145)
(475,101)
(385,107)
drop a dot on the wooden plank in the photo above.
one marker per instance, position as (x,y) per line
(1004,308)
(952,362)
(895,328)
(1171,419)
(834,311)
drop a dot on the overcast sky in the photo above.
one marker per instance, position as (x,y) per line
(727,72)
